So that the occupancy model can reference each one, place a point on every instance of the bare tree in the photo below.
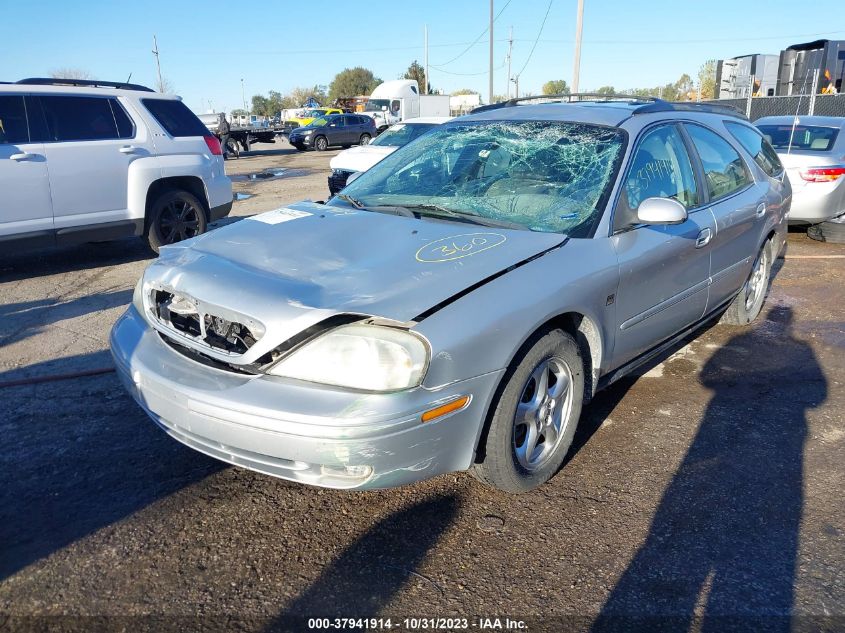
(70, 73)
(164, 86)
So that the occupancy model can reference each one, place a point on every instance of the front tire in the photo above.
(535, 416)
(747, 305)
(173, 217)
(321, 144)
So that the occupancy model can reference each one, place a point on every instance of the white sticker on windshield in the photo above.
(277, 216)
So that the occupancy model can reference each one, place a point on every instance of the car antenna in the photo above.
(797, 110)
(128, 78)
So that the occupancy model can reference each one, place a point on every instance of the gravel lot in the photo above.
(709, 486)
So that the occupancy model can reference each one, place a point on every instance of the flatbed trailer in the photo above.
(246, 136)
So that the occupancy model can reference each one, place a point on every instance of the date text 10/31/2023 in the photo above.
(418, 624)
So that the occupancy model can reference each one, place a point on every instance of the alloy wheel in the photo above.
(543, 413)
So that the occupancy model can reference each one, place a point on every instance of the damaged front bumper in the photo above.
(295, 430)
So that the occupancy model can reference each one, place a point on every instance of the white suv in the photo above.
(85, 161)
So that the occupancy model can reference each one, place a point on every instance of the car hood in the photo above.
(296, 266)
(361, 158)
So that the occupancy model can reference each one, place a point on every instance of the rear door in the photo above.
(89, 148)
(663, 270)
(739, 206)
(25, 205)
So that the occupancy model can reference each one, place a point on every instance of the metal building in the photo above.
(747, 75)
(799, 62)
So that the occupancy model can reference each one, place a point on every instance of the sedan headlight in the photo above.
(307, 132)
(367, 357)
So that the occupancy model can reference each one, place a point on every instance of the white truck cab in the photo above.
(400, 99)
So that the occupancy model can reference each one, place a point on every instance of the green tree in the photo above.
(464, 91)
(606, 90)
(238, 112)
(707, 79)
(298, 96)
(500, 98)
(351, 82)
(417, 72)
(260, 105)
(555, 87)
(70, 73)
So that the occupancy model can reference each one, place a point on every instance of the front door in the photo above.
(663, 270)
(25, 206)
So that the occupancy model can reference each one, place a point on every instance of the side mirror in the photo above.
(661, 211)
(353, 176)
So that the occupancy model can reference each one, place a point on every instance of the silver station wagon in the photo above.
(456, 306)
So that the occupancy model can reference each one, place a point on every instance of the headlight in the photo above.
(367, 357)
(307, 132)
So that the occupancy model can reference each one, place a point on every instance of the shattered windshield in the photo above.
(545, 176)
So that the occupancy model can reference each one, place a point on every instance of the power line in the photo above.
(538, 38)
(483, 72)
(477, 39)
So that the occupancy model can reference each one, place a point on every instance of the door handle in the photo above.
(22, 156)
(703, 239)
(128, 149)
(761, 210)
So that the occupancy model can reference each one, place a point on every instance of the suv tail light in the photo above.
(822, 174)
(213, 144)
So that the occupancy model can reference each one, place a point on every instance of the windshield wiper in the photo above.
(353, 201)
(463, 216)
(382, 208)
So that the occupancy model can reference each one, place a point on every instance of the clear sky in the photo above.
(208, 47)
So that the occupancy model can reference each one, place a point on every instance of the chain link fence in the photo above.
(758, 107)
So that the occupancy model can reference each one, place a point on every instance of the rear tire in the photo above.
(233, 148)
(365, 139)
(535, 415)
(173, 217)
(321, 143)
(833, 232)
(747, 305)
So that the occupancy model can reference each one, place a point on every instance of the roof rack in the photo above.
(565, 98)
(650, 104)
(91, 83)
(689, 106)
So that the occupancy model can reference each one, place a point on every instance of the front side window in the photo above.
(175, 117)
(807, 138)
(724, 170)
(13, 128)
(660, 168)
(754, 143)
(78, 118)
(549, 176)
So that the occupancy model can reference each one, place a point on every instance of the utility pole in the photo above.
(243, 95)
(510, 49)
(579, 24)
(158, 64)
(491, 51)
(425, 78)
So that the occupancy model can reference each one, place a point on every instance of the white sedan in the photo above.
(362, 157)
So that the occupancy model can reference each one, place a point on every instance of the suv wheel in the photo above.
(175, 216)
(535, 416)
(365, 139)
(321, 144)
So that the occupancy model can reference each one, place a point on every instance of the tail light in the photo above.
(822, 174)
(213, 144)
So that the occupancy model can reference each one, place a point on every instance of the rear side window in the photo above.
(759, 148)
(78, 118)
(13, 120)
(175, 117)
(724, 170)
(809, 138)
